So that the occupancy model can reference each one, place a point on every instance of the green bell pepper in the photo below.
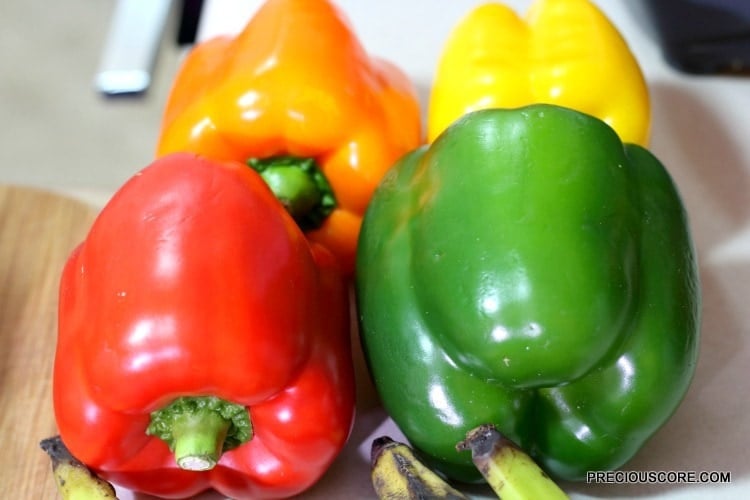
(529, 270)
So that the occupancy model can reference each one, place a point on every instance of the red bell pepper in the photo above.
(196, 311)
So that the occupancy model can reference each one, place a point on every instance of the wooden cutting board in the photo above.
(38, 230)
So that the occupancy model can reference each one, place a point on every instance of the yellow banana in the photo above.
(74, 480)
(510, 472)
(397, 474)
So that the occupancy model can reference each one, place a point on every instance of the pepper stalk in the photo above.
(299, 185)
(198, 429)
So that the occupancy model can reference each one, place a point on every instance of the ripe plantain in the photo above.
(510, 472)
(74, 480)
(397, 474)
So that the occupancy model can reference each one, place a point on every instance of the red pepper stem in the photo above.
(299, 185)
(198, 440)
(199, 428)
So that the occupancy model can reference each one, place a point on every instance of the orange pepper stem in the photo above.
(300, 186)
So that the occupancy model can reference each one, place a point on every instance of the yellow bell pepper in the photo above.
(564, 52)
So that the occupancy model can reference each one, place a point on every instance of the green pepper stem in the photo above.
(199, 439)
(299, 185)
(199, 428)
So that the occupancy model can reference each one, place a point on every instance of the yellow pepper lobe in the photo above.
(564, 52)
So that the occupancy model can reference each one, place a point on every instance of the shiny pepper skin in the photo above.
(531, 271)
(563, 52)
(194, 282)
(297, 82)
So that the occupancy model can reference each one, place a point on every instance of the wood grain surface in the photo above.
(38, 230)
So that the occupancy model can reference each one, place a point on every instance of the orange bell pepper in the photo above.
(296, 88)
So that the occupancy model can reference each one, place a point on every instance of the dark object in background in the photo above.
(189, 18)
(703, 36)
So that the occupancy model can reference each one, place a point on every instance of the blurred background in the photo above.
(59, 132)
